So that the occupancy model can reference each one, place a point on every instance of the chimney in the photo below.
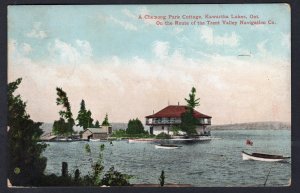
(178, 103)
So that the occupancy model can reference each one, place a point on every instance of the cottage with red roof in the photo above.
(163, 120)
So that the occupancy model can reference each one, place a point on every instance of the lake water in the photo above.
(211, 164)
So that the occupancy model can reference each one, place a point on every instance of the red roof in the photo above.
(175, 111)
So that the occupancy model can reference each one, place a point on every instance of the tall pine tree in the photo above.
(192, 102)
(84, 117)
(105, 121)
(188, 121)
(26, 164)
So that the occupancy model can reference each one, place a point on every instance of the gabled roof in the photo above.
(175, 111)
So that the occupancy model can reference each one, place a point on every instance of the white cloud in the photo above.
(85, 47)
(161, 49)
(18, 51)
(247, 90)
(37, 32)
(125, 24)
(67, 53)
(207, 34)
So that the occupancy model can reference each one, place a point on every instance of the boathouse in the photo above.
(163, 120)
(97, 133)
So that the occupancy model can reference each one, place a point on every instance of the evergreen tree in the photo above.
(89, 119)
(192, 102)
(26, 164)
(64, 126)
(84, 117)
(105, 121)
(97, 124)
(81, 117)
(188, 121)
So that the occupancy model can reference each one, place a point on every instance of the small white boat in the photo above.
(166, 146)
(94, 140)
(263, 157)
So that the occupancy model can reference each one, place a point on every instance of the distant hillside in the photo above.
(118, 126)
(253, 126)
(47, 127)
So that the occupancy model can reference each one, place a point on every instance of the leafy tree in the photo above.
(26, 164)
(135, 126)
(64, 126)
(63, 100)
(192, 102)
(105, 121)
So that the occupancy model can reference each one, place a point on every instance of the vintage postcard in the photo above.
(195, 95)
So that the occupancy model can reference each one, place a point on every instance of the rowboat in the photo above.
(166, 146)
(263, 157)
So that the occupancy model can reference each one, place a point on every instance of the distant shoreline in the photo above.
(268, 125)
(253, 126)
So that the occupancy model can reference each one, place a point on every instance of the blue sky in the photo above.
(94, 50)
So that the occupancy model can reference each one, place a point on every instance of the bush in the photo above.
(175, 129)
(163, 135)
(115, 178)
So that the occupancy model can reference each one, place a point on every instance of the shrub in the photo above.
(163, 135)
(115, 178)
